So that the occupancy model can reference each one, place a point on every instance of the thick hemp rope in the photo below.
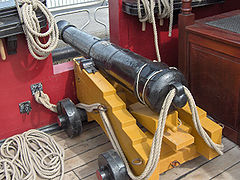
(165, 10)
(44, 99)
(32, 29)
(157, 140)
(24, 156)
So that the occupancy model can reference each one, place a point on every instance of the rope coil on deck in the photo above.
(158, 136)
(24, 156)
(32, 29)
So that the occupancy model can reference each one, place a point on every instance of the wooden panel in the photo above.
(212, 63)
(215, 45)
(215, 83)
(216, 34)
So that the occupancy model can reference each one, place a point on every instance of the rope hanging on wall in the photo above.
(32, 29)
(165, 10)
(24, 156)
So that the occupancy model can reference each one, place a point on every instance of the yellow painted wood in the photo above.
(177, 140)
(94, 88)
(185, 127)
(149, 119)
(194, 164)
(168, 155)
(213, 130)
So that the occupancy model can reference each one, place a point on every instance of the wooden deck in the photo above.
(81, 158)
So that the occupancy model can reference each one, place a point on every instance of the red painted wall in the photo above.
(17, 74)
(125, 30)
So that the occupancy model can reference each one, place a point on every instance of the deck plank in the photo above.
(232, 173)
(68, 176)
(81, 158)
(85, 146)
(86, 135)
(84, 158)
(91, 177)
(60, 135)
(84, 171)
(216, 166)
(193, 164)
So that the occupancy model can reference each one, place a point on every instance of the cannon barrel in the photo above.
(128, 68)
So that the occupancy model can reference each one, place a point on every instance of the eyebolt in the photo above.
(137, 161)
(102, 108)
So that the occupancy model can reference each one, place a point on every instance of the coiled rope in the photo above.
(24, 156)
(158, 136)
(32, 28)
(163, 12)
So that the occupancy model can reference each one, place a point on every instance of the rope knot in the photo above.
(34, 3)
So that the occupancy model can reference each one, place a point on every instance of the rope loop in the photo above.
(32, 29)
(25, 155)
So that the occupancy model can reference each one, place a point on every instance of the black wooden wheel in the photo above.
(70, 118)
(111, 167)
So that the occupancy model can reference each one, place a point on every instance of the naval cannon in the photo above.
(133, 126)
(128, 68)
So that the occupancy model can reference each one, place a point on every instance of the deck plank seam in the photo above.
(189, 172)
(81, 166)
(65, 172)
(87, 150)
(88, 161)
(76, 175)
(88, 175)
(93, 124)
(225, 170)
(76, 144)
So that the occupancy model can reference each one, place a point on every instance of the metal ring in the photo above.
(180, 122)
(137, 161)
(173, 68)
(102, 108)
